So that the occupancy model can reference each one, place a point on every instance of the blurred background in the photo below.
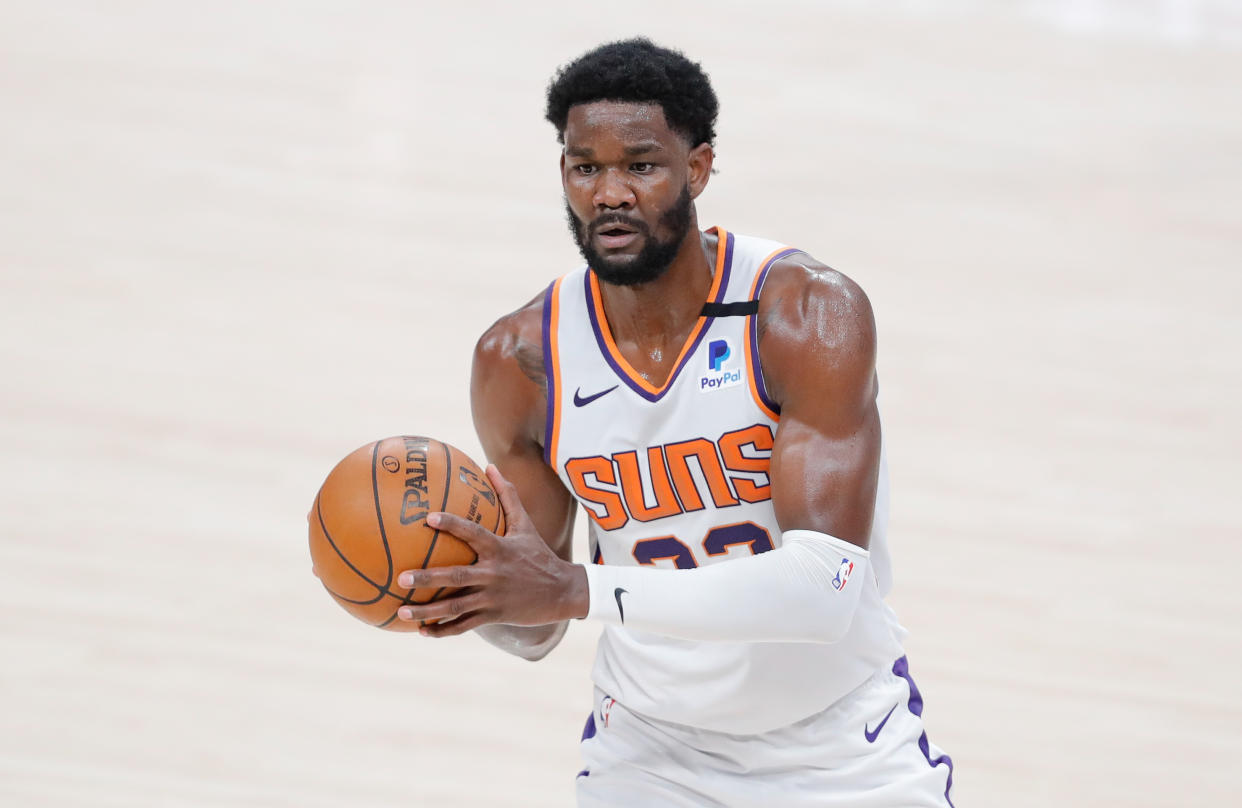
(239, 240)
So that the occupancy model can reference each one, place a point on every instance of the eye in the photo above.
(641, 168)
(584, 169)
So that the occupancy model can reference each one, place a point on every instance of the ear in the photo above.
(562, 168)
(700, 162)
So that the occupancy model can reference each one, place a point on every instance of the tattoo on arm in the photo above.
(530, 359)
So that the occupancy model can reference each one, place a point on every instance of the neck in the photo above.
(661, 312)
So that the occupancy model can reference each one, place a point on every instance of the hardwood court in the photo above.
(238, 240)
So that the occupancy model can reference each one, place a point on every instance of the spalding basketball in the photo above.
(369, 523)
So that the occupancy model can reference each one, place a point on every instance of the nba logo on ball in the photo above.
(718, 353)
(843, 574)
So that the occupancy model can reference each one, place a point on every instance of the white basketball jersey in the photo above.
(677, 476)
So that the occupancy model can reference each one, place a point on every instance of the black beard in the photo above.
(652, 261)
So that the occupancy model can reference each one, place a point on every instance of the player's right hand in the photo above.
(516, 579)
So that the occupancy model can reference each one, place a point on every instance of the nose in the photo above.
(612, 192)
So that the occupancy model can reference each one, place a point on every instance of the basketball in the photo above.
(369, 523)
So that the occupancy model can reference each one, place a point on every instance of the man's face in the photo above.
(629, 184)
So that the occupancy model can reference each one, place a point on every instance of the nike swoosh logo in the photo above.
(871, 736)
(617, 593)
(579, 401)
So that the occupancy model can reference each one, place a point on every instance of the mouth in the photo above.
(616, 235)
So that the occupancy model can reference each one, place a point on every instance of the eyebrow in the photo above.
(630, 151)
(643, 148)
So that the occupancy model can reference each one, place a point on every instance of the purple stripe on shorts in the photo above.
(588, 731)
(902, 668)
(549, 373)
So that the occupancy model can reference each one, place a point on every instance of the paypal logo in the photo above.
(719, 376)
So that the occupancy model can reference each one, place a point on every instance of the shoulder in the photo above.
(801, 292)
(814, 322)
(515, 343)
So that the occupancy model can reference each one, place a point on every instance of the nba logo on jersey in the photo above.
(605, 709)
(719, 351)
(843, 574)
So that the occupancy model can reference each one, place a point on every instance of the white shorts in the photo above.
(868, 750)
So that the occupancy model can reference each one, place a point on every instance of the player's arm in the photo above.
(818, 351)
(508, 397)
(817, 348)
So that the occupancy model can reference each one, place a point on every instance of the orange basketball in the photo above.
(369, 523)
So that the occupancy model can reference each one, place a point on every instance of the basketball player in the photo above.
(709, 399)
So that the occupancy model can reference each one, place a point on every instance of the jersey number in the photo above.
(717, 542)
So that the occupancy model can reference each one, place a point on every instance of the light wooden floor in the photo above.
(239, 239)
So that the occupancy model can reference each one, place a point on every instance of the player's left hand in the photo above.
(517, 579)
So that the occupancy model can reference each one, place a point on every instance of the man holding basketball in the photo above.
(710, 400)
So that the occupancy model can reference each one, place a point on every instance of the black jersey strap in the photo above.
(743, 308)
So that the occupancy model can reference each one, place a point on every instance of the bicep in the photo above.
(826, 455)
(508, 407)
(825, 472)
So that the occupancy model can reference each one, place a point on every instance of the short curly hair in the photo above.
(641, 71)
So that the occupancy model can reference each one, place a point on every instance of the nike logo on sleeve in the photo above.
(617, 593)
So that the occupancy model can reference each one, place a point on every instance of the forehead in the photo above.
(599, 123)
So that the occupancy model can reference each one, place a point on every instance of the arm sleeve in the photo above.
(807, 590)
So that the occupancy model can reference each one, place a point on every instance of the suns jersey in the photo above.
(677, 476)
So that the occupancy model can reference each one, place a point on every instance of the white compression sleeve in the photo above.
(806, 590)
